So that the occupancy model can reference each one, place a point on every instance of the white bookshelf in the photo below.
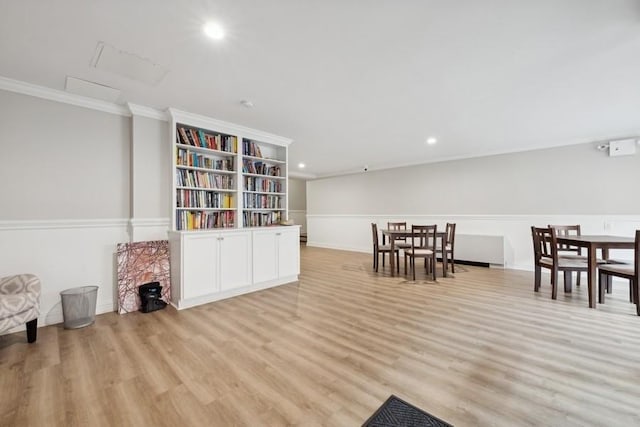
(243, 192)
(249, 189)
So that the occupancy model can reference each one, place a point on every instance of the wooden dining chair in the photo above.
(400, 242)
(630, 272)
(422, 246)
(568, 251)
(545, 249)
(381, 249)
(449, 245)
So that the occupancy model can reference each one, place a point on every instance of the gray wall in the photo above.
(297, 194)
(574, 179)
(59, 161)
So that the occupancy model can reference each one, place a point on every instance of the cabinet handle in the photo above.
(278, 234)
(222, 238)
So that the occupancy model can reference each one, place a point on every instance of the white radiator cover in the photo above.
(480, 248)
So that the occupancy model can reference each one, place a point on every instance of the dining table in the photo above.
(394, 235)
(592, 243)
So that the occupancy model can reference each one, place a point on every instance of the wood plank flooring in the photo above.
(477, 349)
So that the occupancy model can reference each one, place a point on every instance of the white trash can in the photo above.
(79, 306)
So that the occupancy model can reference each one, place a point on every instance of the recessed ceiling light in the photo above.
(214, 30)
(246, 103)
(431, 140)
(301, 165)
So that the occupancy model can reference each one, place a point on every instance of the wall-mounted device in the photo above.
(620, 147)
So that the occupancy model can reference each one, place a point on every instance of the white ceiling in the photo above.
(358, 82)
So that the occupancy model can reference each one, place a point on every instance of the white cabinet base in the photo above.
(211, 265)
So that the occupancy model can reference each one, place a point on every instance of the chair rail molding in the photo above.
(44, 224)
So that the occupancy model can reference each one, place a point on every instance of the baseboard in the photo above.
(55, 317)
(473, 263)
(338, 248)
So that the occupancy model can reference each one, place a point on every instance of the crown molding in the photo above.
(25, 88)
(226, 127)
(301, 175)
(152, 113)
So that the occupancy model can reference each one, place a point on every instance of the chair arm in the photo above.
(20, 283)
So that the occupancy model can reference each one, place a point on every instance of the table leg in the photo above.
(591, 276)
(392, 255)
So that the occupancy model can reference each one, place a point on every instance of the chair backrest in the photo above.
(374, 231)
(451, 234)
(397, 225)
(543, 243)
(567, 230)
(424, 236)
(637, 258)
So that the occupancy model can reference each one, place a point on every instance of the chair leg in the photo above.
(405, 264)
(635, 295)
(453, 263)
(538, 274)
(383, 258)
(578, 274)
(398, 262)
(375, 267)
(567, 281)
(554, 283)
(32, 330)
(609, 283)
(413, 267)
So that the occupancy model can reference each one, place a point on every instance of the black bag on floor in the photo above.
(151, 297)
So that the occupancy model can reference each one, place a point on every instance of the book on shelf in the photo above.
(252, 183)
(261, 201)
(202, 220)
(204, 139)
(203, 199)
(260, 168)
(251, 148)
(261, 219)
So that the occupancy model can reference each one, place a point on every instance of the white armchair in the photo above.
(20, 303)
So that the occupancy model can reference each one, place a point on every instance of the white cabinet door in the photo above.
(235, 260)
(288, 252)
(265, 256)
(200, 254)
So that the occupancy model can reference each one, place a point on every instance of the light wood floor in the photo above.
(479, 349)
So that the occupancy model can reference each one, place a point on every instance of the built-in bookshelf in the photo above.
(264, 169)
(225, 175)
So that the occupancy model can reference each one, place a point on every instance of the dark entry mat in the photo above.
(395, 412)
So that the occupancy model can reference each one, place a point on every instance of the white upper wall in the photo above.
(60, 161)
(575, 179)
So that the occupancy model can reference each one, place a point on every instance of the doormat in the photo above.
(395, 412)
